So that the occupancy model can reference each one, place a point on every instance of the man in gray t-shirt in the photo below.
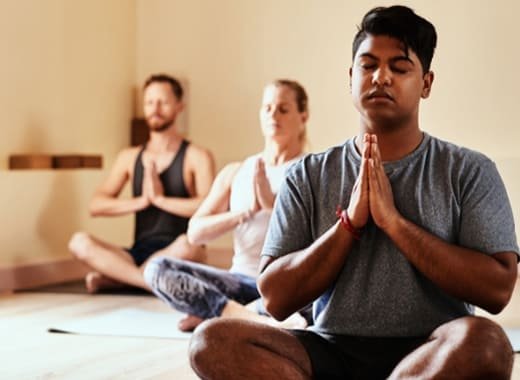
(379, 291)
(423, 232)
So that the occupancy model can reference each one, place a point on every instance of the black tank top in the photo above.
(152, 222)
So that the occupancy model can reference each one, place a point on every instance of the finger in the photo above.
(261, 170)
(261, 164)
(374, 184)
(257, 166)
(375, 152)
(363, 176)
(366, 146)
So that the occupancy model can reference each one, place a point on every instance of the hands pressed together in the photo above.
(263, 197)
(372, 193)
(153, 189)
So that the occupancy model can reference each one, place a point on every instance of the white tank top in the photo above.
(248, 237)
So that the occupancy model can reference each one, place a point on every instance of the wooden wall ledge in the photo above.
(55, 161)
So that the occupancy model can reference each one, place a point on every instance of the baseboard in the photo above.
(40, 274)
(55, 272)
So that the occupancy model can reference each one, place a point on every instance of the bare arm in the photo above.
(303, 275)
(202, 168)
(213, 217)
(475, 277)
(105, 201)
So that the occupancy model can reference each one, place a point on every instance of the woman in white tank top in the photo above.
(241, 199)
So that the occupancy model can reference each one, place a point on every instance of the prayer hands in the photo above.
(372, 193)
(264, 197)
(153, 189)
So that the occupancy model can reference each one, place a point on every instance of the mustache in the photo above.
(155, 115)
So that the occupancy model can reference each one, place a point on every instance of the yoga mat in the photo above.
(514, 338)
(127, 322)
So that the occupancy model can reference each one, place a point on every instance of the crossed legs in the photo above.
(465, 348)
(232, 349)
(204, 292)
(114, 267)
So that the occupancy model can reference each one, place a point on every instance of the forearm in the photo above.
(304, 275)
(184, 207)
(466, 274)
(203, 229)
(109, 206)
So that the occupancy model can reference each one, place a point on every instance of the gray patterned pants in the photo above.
(198, 289)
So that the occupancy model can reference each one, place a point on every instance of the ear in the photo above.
(350, 79)
(180, 107)
(304, 116)
(427, 84)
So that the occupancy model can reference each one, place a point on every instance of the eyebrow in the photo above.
(394, 59)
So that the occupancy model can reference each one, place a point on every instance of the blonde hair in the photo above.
(302, 100)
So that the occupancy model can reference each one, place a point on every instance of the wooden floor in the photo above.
(28, 351)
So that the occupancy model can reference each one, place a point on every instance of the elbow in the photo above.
(193, 238)
(273, 304)
(275, 310)
(495, 308)
(499, 301)
(502, 302)
(93, 210)
(194, 235)
(504, 285)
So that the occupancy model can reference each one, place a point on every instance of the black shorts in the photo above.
(353, 357)
(142, 250)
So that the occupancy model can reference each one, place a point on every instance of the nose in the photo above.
(382, 77)
(273, 113)
(156, 107)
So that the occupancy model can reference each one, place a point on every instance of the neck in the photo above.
(278, 153)
(394, 142)
(166, 140)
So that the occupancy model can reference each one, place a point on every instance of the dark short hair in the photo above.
(403, 24)
(302, 100)
(163, 78)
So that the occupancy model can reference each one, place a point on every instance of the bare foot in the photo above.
(189, 322)
(95, 281)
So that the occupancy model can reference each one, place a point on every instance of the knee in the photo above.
(152, 271)
(80, 244)
(191, 252)
(484, 343)
(211, 343)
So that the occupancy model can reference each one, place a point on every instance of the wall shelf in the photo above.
(54, 161)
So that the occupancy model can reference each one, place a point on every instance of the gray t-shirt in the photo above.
(452, 192)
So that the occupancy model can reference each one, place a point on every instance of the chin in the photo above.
(160, 127)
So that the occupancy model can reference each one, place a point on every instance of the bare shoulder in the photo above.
(129, 153)
(126, 158)
(228, 172)
(195, 153)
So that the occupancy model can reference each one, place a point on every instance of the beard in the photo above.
(166, 124)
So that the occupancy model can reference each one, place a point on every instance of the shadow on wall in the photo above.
(34, 141)
(61, 214)
(508, 168)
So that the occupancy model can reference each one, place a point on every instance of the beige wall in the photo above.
(67, 73)
(228, 49)
(70, 68)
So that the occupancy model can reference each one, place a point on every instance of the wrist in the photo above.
(158, 200)
(142, 202)
(392, 224)
(244, 216)
(346, 223)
